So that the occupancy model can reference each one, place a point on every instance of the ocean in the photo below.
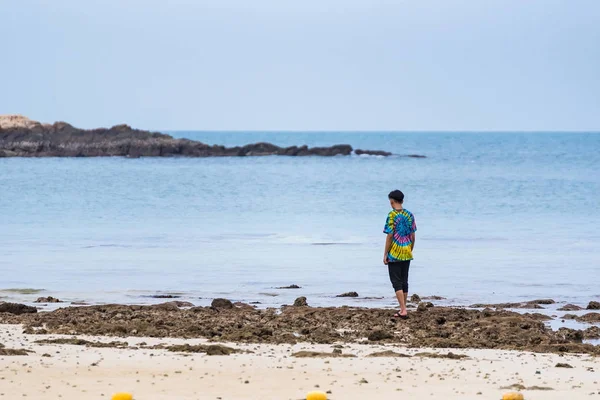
(501, 217)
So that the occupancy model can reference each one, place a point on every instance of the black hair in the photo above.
(396, 195)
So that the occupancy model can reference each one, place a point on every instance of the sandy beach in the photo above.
(148, 369)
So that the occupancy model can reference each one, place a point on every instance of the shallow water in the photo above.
(501, 217)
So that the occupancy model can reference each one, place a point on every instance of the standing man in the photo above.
(400, 229)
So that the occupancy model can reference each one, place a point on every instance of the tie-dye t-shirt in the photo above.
(402, 224)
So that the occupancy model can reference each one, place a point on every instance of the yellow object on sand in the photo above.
(513, 396)
(316, 396)
(122, 396)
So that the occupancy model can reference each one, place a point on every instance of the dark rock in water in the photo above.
(348, 294)
(378, 335)
(165, 296)
(22, 137)
(571, 334)
(593, 332)
(541, 301)
(539, 317)
(300, 302)
(563, 365)
(570, 307)
(360, 152)
(415, 298)
(422, 307)
(48, 299)
(17, 309)
(525, 305)
(594, 305)
(289, 287)
(221, 304)
(416, 156)
(434, 298)
(589, 318)
(569, 316)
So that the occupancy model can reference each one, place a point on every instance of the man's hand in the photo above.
(385, 260)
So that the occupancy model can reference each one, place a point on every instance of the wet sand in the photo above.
(270, 371)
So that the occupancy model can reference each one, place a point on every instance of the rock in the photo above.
(300, 302)
(593, 332)
(434, 298)
(48, 299)
(211, 350)
(593, 305)
(388, 353)
(570, 307)
(239, 304)
(571, 334)
(450, 355)
(22, 137)
(348, 294)
(378, 335)
(221, 304)
(526, 305)
(541, 301)
(13, 352)
(463, 328)
(17, 309)
(415, 298)
(360, 152)
(589, 318)
(289, 287)
(165, 296)
(317, 354)
(563, 365)
(569, 316)
(422, 307)
(170, 306)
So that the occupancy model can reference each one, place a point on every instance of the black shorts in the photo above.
(399, 275)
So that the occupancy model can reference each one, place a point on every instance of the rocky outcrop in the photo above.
(22, 137)
(17, 309)
(437, 327)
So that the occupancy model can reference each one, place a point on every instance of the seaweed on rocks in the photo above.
(438, 327)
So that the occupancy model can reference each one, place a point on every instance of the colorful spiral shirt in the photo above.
(402, 224)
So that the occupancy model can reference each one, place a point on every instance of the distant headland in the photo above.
(23, 137)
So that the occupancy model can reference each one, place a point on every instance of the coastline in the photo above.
(22, 137)
(272, 371)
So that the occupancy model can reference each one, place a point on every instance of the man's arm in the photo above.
(388, 246)
(413, 239)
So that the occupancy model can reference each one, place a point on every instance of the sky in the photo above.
(399, 65)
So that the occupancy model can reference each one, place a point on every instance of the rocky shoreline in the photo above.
(22, 137)
(428, 326)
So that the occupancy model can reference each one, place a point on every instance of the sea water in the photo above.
(500, 216)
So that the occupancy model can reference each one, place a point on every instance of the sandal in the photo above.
(397, 315)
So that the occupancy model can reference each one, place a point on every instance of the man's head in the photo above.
(396, 198)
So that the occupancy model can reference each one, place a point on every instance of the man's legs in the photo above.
(399, 277)
(401, 296)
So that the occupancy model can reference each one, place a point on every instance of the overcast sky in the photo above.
(304, 64)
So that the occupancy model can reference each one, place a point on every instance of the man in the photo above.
(400, 228)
